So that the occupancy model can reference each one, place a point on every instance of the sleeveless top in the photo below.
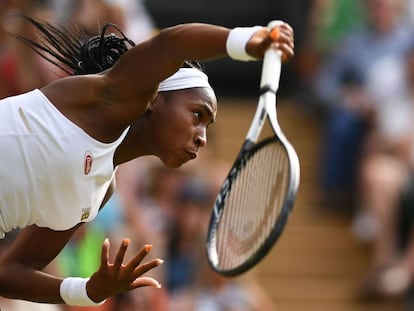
(52, 173)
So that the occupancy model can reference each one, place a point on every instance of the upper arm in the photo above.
(36, 247)
(140, 69)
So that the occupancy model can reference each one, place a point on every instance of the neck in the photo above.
(135, 143)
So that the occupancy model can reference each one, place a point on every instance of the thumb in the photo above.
(145, 281)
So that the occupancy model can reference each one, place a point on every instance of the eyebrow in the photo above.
(209, 111)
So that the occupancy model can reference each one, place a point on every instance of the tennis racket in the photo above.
(257, 196)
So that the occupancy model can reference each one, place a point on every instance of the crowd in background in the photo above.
(354, 70)
(362, 79)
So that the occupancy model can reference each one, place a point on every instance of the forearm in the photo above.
(194, 42)
(22, 263)
(136, 76)
(21, 282)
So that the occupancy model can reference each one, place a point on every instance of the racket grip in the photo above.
(272, 63)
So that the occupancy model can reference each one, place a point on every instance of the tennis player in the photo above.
(61, 144)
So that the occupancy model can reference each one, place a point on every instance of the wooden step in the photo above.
(317, 263)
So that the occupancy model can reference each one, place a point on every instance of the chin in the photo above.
(174, 164)
(175, 160)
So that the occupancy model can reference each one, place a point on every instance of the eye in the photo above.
(198, 115)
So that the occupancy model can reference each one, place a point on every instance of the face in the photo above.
(181, 119)
(383, 13)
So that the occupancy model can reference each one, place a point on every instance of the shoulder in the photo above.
(76, 91)
(87, 101)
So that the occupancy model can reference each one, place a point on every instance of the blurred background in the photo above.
(346, 103)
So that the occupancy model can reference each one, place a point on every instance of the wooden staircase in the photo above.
(317, 263)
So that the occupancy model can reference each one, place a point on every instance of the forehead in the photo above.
(201, 95)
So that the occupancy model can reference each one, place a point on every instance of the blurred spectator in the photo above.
(367, 85)
(386, 180)
(20, 68)
(151, 212)
(186, 241)
(329, 21)
(90, 15)
(341, 85)
(139, 24)
(192, 284)
(409, 12)
(214, 292)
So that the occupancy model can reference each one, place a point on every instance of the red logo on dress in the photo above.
(88, 162)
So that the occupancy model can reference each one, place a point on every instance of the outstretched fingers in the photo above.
(119, 259)
(105, 253)
(141, 269)
(136, 269)
(139, 281)
(136, 261)
(118, 277)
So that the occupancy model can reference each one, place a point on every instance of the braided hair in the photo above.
(74, 56)
(62, 48)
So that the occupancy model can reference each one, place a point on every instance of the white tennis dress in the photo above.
(52, 173)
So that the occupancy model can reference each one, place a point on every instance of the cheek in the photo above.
(175, 134)
(179, 129)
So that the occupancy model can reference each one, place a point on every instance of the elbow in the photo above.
(173, 42)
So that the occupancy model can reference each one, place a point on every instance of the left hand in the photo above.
(112, 278)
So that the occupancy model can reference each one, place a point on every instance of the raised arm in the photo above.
(150, 62)
(107, 102)
(139, 71)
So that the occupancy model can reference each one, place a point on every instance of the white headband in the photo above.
(184, 78)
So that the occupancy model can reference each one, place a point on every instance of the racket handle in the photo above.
(272, 63)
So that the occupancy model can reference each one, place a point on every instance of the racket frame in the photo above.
(266, 109)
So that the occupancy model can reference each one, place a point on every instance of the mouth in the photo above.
(192, 154)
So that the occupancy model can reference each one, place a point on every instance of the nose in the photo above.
(201, 138)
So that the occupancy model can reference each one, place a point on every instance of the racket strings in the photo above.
(253, 205)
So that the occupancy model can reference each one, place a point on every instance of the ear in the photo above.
(155, 102)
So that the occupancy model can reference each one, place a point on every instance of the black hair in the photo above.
(192, 64)
(75, 56)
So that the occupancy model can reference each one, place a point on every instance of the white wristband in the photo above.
(73, 292)
(237, 40)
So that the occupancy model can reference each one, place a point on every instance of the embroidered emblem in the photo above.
(88, 162)
(85, 213)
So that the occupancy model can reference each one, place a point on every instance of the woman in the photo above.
(63, 142)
